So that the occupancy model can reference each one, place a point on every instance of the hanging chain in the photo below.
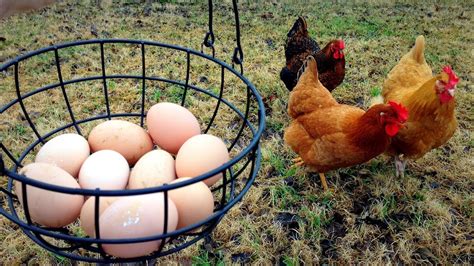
(238, 56)
(209, 38)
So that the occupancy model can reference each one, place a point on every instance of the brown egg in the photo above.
(133, 217)
(87, 213)
(170, 125)
(201, 154)
(48, 208)
(124, 137)
(67, 151)
(153, 169)
(194, 202)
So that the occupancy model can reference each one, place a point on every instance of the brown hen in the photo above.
(331, 62)
(328, 135)
(430, 100)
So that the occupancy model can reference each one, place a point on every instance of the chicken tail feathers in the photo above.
(418, 51)
(299, 26)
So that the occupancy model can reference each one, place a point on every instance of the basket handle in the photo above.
(209, 38)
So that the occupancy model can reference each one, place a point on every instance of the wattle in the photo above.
(445, 97)
(338, 55)
(392, 129)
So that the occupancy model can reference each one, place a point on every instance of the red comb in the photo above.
(453, 79)
(340, 44)
(402, 111)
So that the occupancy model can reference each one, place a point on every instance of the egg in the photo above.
(133, 217)
(49, 208)
(124, 137)
(88, 211)
(153, 169)
(67, 151)
(170, 125)
(201, 154)
(105, 169)
(194, 202)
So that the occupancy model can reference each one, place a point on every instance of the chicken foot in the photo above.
(298, 162)
(400, 164)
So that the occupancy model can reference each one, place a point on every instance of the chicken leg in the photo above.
(400, 164)
(299, 162)
(323, 181)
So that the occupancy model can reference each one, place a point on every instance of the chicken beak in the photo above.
(402, 124)
(451, 92)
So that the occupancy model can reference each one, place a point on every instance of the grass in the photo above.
(370, 217)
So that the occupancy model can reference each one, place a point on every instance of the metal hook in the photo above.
(211, 46)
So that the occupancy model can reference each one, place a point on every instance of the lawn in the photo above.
(369, 217)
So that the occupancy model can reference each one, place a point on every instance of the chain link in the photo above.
(238, 56)
(209, 37)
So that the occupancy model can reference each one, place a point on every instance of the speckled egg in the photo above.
(124, 137)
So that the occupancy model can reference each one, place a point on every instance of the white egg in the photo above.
(105, 169)
(67, 151)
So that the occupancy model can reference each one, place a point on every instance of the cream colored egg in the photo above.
(153, 169)
(170, 125)
(67, 151)
(105, 169)
(49, 208)
(124, 137)
(201, 154)
(88, 211)
(194, 202)
(134, 217)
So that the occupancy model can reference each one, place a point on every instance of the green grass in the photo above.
(290, 261)
(430, 211)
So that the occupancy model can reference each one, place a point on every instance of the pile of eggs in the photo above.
(121, 155)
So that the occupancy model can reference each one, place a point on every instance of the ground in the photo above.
(370, 216)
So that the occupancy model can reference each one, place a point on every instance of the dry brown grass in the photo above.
(371, 217)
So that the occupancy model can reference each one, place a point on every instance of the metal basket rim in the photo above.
(94, 192)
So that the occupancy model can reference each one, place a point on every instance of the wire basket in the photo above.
(242, 120)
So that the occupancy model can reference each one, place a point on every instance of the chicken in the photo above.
(430, 100)
(331, 62)
(328, 135)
